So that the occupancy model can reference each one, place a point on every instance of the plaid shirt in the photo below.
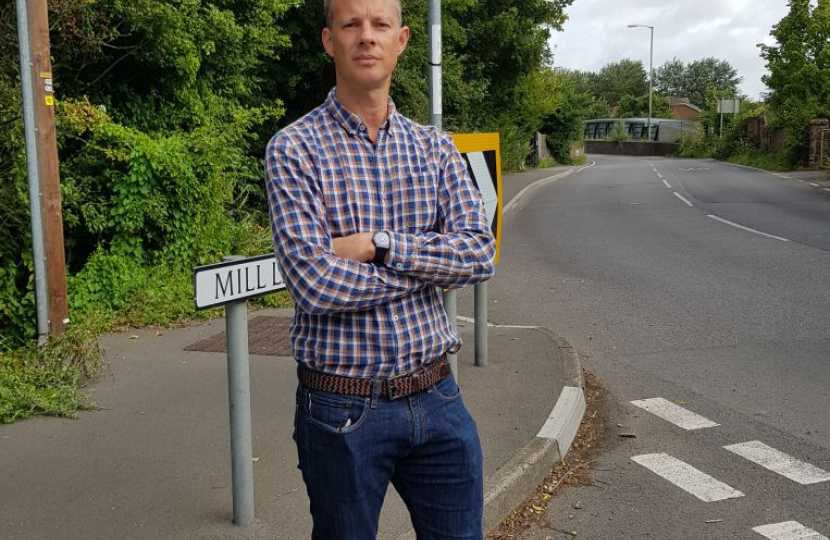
(326, 179)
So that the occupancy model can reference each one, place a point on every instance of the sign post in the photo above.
(483, 159)
(239, 401)
(231, 283)
(727, 106)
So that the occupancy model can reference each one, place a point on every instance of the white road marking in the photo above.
(686, 477)
(658, 174)
(788, 530)
(538, 183)
(675, 414)
(666, 183)
(800, 180)
(779, 462)
(679, 196)
(826, 189)
(491, 325)
(747, 228)
(814, 184)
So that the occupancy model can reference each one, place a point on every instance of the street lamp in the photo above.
(650, 71)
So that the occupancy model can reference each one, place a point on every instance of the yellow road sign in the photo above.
(481, 153)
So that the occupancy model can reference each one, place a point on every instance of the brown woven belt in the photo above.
(392, 388)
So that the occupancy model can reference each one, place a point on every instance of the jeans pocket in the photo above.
(335, 413)
(447, 389)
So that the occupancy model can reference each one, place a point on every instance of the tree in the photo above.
(637, 107)
(620, 78)
(695, 79)
(710, 73)
(799, 71)
(577, 103)
(670, 78)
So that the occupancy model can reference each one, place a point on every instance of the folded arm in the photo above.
(317, 269)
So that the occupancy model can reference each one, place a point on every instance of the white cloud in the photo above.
(707, 26)
(596, 33)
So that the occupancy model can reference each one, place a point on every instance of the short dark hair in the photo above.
(327, 11)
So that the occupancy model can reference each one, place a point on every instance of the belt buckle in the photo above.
(392, 388)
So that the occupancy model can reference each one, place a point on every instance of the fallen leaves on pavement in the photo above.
(573, 471)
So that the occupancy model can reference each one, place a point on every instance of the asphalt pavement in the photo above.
(693, 290)
(152, 460)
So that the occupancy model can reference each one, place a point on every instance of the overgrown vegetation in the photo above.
(45, 380)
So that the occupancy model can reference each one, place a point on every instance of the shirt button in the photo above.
(399, 265)
(362, 128)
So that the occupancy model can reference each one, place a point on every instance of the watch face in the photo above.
(381, 240)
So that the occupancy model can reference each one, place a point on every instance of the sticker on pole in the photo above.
(231, 281)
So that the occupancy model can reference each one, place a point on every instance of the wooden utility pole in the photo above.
(47, 165)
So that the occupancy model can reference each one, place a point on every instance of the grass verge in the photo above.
(767, 162)
(47, 380)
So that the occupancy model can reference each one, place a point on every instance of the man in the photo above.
(372, 215)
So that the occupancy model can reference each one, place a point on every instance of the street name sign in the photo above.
(230, 281)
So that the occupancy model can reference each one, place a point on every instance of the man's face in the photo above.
(365, 40)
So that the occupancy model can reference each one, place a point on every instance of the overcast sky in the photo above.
(596, 34)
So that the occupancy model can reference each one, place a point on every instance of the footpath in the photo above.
(153, 460)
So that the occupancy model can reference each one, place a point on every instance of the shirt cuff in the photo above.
(401, 252)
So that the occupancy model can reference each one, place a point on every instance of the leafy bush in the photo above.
(697, 146)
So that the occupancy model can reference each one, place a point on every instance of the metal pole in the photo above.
(239, 400)
(33, 173)
(435, 88)
(650, 77)
(436, 119)
(481, 324)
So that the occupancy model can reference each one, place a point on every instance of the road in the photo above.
(696, 288)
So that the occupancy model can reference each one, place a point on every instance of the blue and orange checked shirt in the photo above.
(326, 179)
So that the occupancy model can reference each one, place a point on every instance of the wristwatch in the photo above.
(382, 242)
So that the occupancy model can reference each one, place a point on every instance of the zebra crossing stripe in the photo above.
(675, 414)
(687, 478)
(788, 530)
(779, 462)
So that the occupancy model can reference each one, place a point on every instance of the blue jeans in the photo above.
(426, 444)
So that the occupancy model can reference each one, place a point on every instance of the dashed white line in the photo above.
(675, 414)
(800, 180)
(826, 189)
(788, 530)
(814, 184)
(749, 229)
(687, 478)
(666, 183)
(679, 196)
(658, 174)
(779, 462)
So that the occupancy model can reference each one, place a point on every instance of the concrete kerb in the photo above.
(511, 484)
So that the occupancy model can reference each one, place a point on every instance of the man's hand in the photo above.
(356, 247)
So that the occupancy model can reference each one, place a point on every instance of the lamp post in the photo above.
(650, 71)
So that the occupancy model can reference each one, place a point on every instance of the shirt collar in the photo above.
(352, 122)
